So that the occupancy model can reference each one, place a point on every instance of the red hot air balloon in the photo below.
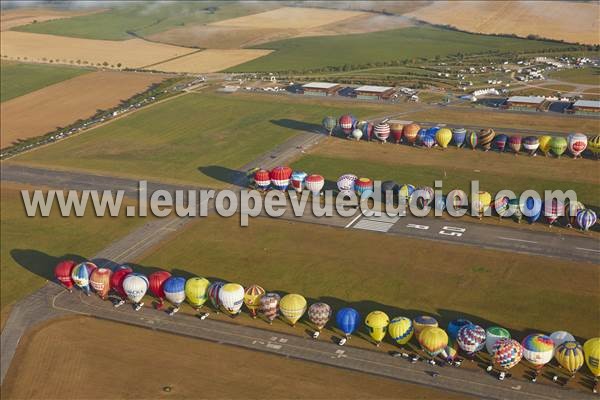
(155, 284)
(62, 272)
(280, 177)
(396, 128)
(315, 184)
(116, 281)
(346, 123)
(262, 179)
(514, 142)
(100, 281)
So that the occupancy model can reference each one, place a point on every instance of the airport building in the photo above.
(585, 107)
(524, 103)
(320, 88)
(374, 92)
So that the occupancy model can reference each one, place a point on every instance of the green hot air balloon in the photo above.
(329, 124)
(558, 145)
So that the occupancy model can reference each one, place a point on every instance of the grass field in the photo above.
(30, 247)
(56, 361)
(408, 43)
(18, 79)
(588, 75)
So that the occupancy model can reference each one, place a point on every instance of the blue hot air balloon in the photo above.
(533, 207)
(440, 203)
(500, 142)
(586, 218)
(420, 135)
(455, 325)
(432, 131)
(174, 289)
(347, 319)
(458, 136)
(428, 141)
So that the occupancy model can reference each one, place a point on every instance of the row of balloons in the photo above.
(538, 349)
(575, 143)
(282, 177)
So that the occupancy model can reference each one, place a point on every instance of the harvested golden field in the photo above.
(132, 53)
(561, 20)
(210, 60)
(44, 110)
(57, 361)
(23, 16)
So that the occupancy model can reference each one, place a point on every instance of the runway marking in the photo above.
(353, 220)
(516, 240)
(371, 225)
(583, 248)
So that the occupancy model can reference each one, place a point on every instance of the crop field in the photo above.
(12, 18)
(63, 103)
(588, 76)
(55, 361)
(18, 79)
(211, 60)
(30, 247)
(575, 22)
(359, 49)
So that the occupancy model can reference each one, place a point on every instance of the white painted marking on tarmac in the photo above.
(373, 225)
(274, 346)
(583, 248)
(353, 220)
(415, 226)
(516, 240)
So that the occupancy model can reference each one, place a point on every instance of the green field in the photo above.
(359, 49)
(196, 138)
(588, 75)
(17, 79)
(141, 19)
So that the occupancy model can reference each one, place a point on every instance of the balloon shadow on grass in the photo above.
(40, 263)
(224, 174)
(298, 125)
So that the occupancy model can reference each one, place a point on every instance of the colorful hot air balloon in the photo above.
(421, 136)
(252, 297)
(156, 281)
(538, 349)
(329, 124)
(196, 291)
(485, 138)
(458, 136)
(396, 128)
(500, 142)
(586, 219)
(455, 198)
(319, 314)
(174, 289)
(347, 319)
(62, 272)
(135, 286)
(231, 297)
(81, 275)
(531, 144)
(213, 294)
(292, 307)
(315, 184)
(382, 131)
(571, 211)
(269, 306)
(481, 203)
(377, 323)
(298, 180)
(553, 210)
(591, 351)
(116, 280)
(433, 340)
(502, 206)
(410, 133)
(558, 145)
(455, 325)
(440, 203)
(367, 129)
(262, 179)
(594, 145)
(346, 122)
(472, 139)
(506, 353)
(471, 338)
(559, 337)
(100, 281)
(357, 134)
(577, 143)
(514, 143)
(346, 182)
(544, 142)
(405, 192)
(533, 207)
(423, 321)
(450, 352)
(570, 356)
(280, 177)
(428, 141)
(421, 197)
(363, 187)
(492, 335)
(443, 137)
(401, 330)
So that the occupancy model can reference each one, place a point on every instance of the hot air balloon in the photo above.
(492, 335)
(252, 297)
(346, 122)
(506, 353)
(531, 144)
(298, 180)
(396, 128)
(116, 282)
(570, 356)
(450, 352)
(269, 306)
(422, 197)
(471, 338)
(433, 131)
(319, 314)
(405, 192)
(553, 210)
(377, 323)
(433, 340)
(382, 131)
(346, 182)
(389, 190)
(594, 145)
(458, 136)
(62, 273)
(347, 319)
(577, 143)
(502, 206)
(455, 325)
(533, 206)
(213, 294)
(421, 135)
(174, 289)
(514, 143)
(423, 321)
(363, 187)
(410, 132)
(591, 352)
(440, 203)
(196, 291)
(500, 142)
(100, 281)
(558, 145)
(401, 330)
(231, 297)
(135, 286)
(559, 337)
(262, 179)
(292, 307)
(329, 124)
(571, 211)
(315, 184)
(455, 197)
(367, 129)
(428, 141)
(81, 275)
(472, 139)
(586, 219)
(481, 203)
(515, 205)
(485, 138)
(280, 177)
(544, 141)
(443, 137)
(357, 134)
(156, 281)
(538, 349)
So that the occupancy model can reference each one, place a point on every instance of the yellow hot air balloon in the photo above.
(433, 340)
(481, 203)
(570, 356)
(377, 323)
(545, 143)
(591, 351)
(443, 137)
(252, 297)
(594, 145)
(401, 330)
(292, 307)
(196, 291)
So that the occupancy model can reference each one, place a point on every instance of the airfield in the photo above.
(525, 277)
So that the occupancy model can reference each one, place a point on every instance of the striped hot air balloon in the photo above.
(297, 180)
(409, 132)
(486, 137)
(213, 294)
(367, 129)
(571, 211)
(319, 314)
(586, 219)
(423, 321)
(262, 179)
(577, 143)
(538, 349)
(506, 353)
(471, 338)
(553, 210)
(472, 139)
(514, 143)
(81, 275)
(100, 281)
(363, 187)
(252, 298)
(292, 307)
(458, 136)
(346, 122)
(62, 273)
(396, 128)
(594, 145)
(357, 134)
(502, 206)
(443, 137)
(401, 330)
(531, 144)
(329, 124)
(280, 177)
(570, 356)
(269, 306)
(558, 145)
(544, 141)
(500, 142)
(382, 131)
(315, 184)
(433, 340)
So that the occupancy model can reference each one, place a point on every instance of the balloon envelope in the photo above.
(538, 349)
(591, 351)
(443, 137)
(292, 307)
(252, 296)
(455, 325)
(319, 314)
(586, 219)
(116, 280)
(174, 289)
(135, 286)
(347, 319)
(433, 340)
(81, 274)
(506, 353)
(377, 323)
(544, 143)
(570, 356)
(213, 293)
(558, 145)
(401, 330)
(492, 335)
(471, 338)
(577, 143)
(269, 305)
(458, 136)
(423, 321)
(410, 132)
(196, 291)
(62, 272)
(156, 282)
(100, 281)
(231, 297)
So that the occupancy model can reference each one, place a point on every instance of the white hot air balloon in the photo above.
(559, 337)
(135, 287)
(231, 297)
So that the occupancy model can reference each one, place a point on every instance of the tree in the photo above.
(104, 63)
(119, 65)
